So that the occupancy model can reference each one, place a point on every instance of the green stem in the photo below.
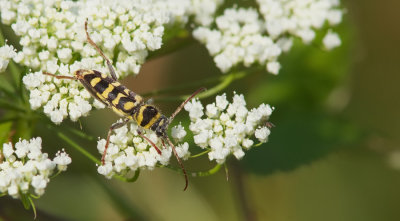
(226, 172)
(225, 82)
(243, 198)
(33, 206)
(34, 196)
(81, 134)
(16, 74)
(58, 172)
(184, 86)
(79, 148)
(2, 41)
(258, 144)
(195, 174)
(221, 86)
(200, 154)
(129, 180)
(208, 172)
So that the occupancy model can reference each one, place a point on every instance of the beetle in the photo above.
(126, 103)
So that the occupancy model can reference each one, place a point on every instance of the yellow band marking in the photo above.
(152, 121)
(116, 100)
(95, 81)
(128, 105)
(107, 90)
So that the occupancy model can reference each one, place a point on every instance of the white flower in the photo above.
(26, 166)
(262, 134)
(221, 102)
(238, 39)
(106, 170)
(62, 160)
(178, 132)
(39, 183)
(7, 52)
(127, 151)
(7, 150)
(331, 40)
(183, 151)
(195, 109)
(273, 67)
(229, 131)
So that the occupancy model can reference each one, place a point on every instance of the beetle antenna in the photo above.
(179, 161)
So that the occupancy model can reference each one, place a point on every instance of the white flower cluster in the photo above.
(127, 151)
(25, 167)
(59, 98)
(238, 39)
(299, 17)
(241, 37)
(132, 27)
(227, 128)
(204, 10)
(56, 43)
(7, 52)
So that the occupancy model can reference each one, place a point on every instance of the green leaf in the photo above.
(6, 87)
(5, 129)
(301, 138)
(5, 104)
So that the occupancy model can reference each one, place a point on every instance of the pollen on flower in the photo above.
(24, 166)
(231, 130)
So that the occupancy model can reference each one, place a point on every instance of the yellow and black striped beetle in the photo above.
(126, 103)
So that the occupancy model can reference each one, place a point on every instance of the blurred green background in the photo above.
(327, 159)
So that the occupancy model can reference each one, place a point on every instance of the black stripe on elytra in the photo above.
(92, 91)
(101, 86)
(122, 102)
(148, 113)
(89, 77)
(113, 94)
(121, 88)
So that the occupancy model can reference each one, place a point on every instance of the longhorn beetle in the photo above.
(126, 103)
